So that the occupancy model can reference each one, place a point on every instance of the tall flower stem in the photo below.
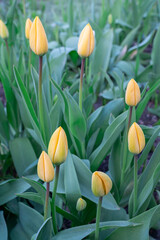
(40, 99)
(81, 83)
(29, 68)
(98, 214)
(135, 184)
(53, 204)
(46, 202)
(125, 146)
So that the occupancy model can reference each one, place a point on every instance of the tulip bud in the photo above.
(110, 19)
(81, 204)
(86, 41)
(3, 30)
(136, 139)
(28, 27)
(45, 168)
(101, 184)
(133, 95)
(58, 146)
(37, 38)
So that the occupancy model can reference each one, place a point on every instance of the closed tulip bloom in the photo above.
(86, 41)
(3, 30)
(37, 38)
(133, 95)
(45, 169)
(101, 184)
(136, 139)
(58, 146)
(28, 27)
(81, 204)
(110, 19)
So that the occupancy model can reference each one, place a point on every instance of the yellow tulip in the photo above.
(86, 41)
(37, 38)
(101, 184)
(136, 139)
(110, 19)
(28, 27)
(3, 30)
(133, 95)
(58, 146)
(81, 204)
(45, 168)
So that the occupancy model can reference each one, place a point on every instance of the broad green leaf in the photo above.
(4, 125)
(110, 136)
(3, 227)
(31, 196)
(156, 53)
(72, 188)
(130, 37)
(22, 154)
(9, 188)
(45, 230)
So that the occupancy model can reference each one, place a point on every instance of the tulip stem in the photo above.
(46, 202)
(40, 98)
(125, 145)
(29, 68)
(135, 184)
(53, 204)
(81, 83)
(98, 218)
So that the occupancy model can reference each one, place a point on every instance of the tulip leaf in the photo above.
(72, 188)
(45, 230)
(22, 154)
(145, 220)
(31, 196)
(156, 53)
(3, 227)
(110, 136)
(9, 188)
(76, 233)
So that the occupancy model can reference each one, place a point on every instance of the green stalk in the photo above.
(135, 184)
(9, 61)
(53, 204)
(46, 202)
(40, 99)
(29, 68)
(98, 218)
(81, 83)
(125, 147)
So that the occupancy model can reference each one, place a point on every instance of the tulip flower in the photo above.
(110, 19)
(86, 41)
(45, 172)
(45, 168)
(3, 30)
(133, 95)
(37, 38)
(81, 204)
(57, 150)
(101, 186)
(136, 139)
(85, 48)
(136, 143)
(28, 27)
(58, 146)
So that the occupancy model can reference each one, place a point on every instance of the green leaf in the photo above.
(110, 136)
(9, 188)
(45, 230)
(77, 233)
(22, 154)
(3, 227)
(31, 196)
(72, 188)
(30, 219)
(130, 37)
(156, 53)
(102, 52)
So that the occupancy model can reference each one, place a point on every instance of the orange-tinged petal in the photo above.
(58, 146)
(136, 139)
(37, 38)
(28, 27)
(45, 169)
(101, 184)
(86, 41)
(3, 30)
(133, 95)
